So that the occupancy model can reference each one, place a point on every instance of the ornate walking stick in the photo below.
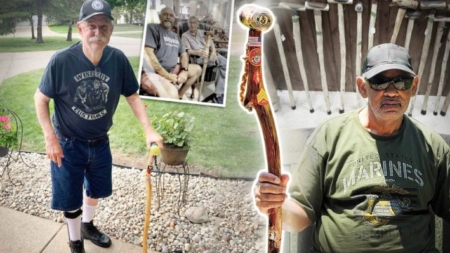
(152, 162)
(253, 96)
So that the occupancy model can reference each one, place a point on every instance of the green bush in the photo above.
(175, 128)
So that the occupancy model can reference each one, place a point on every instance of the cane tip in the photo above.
(294, 107)
(443, 113)
(435, 113)
(329, 112)
(423, 112)
(341, 111)
(311, 111)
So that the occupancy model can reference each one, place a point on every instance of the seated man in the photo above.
(162, 49)
(195, 43)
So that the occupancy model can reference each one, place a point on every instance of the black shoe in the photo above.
(76, 246)
(90, 232)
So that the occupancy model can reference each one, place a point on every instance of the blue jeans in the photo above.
(84, 162)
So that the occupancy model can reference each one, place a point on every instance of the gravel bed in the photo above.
(233, 224)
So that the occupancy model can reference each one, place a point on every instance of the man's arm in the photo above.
(138, 108)
(154, 62)
(52, 147)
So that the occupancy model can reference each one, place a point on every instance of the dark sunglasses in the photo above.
(382, 83)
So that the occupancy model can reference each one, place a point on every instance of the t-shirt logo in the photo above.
(91, 95)
(97, 5)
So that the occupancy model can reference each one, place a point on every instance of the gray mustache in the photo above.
(95, 38)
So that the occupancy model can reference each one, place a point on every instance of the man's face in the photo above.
(390, 104)
(167, 18)
(193, 25)
(95, 32)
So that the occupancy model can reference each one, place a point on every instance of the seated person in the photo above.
(162, 49)
(194, 41)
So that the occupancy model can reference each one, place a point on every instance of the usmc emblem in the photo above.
(97, 5)
(255, 57)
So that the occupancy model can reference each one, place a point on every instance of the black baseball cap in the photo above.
(92, 8)
(384, 57)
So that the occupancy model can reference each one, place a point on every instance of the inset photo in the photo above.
(185, 51)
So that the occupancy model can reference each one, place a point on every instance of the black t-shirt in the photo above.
(86, 96)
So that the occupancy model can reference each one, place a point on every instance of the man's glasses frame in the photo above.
(380, 83)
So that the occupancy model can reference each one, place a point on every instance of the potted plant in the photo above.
(8, 131)
(175, 128)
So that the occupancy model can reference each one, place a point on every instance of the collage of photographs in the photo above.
(234, 126)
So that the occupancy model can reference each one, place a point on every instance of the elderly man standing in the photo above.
(85, 82)
(162, 49)
(371, 180)
(195, 43)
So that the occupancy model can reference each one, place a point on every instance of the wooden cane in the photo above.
(284, 65)
(424, 56)
(373, 18)
(446, 104)
(342, 47)
(411, 16)
(294, 7)
(300, 61)
(359, 10)
(154, 151)
(318, 8)
(442, 78)
(253, 96)
(205, 64)
(437, 45)
(403, 6)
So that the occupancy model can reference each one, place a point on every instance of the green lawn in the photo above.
(122, 30)
(226, 140)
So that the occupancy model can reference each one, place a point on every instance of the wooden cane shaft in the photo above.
(299, 54)
(256, 98)
(205, 65)
(277, 32)
(409, 32)
(437, 45)
(358, 51)
(398, 22)
(423, 58)
(373, 18)
(323, 76)
(446, 104)
(148, 204)
(343, 53)
(443, 70)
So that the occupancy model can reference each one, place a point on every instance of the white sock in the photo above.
(74, 227)
(88, 212)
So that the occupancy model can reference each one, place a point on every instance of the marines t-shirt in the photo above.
(371, 193)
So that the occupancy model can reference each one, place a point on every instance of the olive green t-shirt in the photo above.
(369, 193)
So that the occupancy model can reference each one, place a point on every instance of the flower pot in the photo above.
(173, 155)
(4, 151)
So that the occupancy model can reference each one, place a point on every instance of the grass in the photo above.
(25, 44)
(130, 31)
(117, 28)
(226, 140)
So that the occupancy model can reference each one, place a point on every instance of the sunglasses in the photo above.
(382, 83)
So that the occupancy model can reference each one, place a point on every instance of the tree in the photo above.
(11, 12)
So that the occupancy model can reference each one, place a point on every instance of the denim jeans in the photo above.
(84, 162)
